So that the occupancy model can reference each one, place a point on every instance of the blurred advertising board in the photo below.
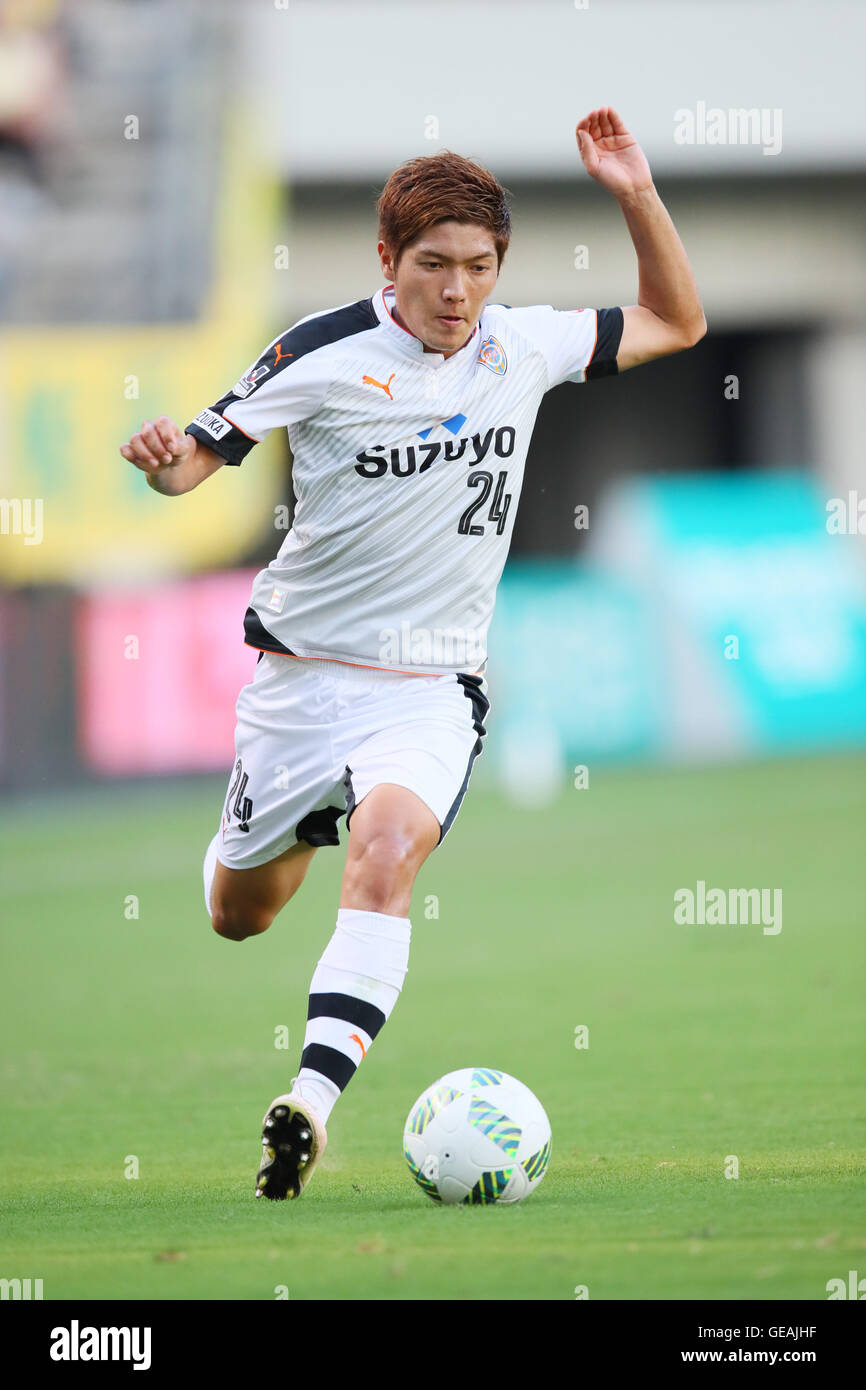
(717, 617)
(159, 674)
(760, 609)
(573, 674)
(78, 513)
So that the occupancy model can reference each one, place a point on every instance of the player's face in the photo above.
(442, 282)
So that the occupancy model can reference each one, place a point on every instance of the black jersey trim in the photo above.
(471, 685)
(319, 828)
(257, 635)
(319, 332)
(233, 446)
(608, 338)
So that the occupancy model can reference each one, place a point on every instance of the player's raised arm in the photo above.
(174, 462)
(668, 316)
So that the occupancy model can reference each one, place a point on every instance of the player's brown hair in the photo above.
(441, 187)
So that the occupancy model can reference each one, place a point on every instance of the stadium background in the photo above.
(165, 213)
(180, 182)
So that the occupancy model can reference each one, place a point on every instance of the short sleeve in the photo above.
(577, 344)
(280, 388)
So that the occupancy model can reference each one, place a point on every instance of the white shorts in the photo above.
(314, 737)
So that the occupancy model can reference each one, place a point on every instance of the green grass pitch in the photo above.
(150, 1037)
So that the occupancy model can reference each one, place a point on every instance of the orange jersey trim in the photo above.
(243, 432)
(360, 665)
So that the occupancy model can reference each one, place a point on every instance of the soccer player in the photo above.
(409, 415)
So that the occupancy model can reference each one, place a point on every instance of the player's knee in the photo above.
(236, 924)
(382, 865)
(389, 851)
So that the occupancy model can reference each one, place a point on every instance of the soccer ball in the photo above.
(477, 1136)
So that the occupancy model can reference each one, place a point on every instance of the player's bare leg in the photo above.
(357, 982)
(245, 901)
(391, 834)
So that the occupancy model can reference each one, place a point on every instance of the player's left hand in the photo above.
(611, 155)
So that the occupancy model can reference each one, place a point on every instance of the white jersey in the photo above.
(407, 473)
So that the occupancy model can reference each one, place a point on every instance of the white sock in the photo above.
(354, 988)
(210, 863)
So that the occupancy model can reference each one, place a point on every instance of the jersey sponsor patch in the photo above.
(277, 599)
(492, 354)
(249, 380)
(212, 424)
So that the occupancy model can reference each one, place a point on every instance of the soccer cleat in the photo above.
(293, 1141)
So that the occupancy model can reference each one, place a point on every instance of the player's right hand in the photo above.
(158, 445)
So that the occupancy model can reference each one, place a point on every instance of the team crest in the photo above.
(246, 384)
(492, 355)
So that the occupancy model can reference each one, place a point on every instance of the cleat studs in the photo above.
(289, 1147)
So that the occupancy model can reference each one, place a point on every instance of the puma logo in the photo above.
(281, 356)
(353, 1037)
(386, 386)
